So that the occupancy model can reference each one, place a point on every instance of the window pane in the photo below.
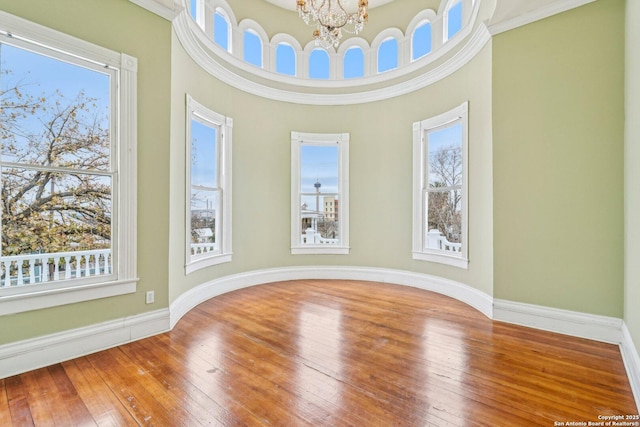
(53, 113)
(193, 9)
(421, 41)
(252, 48)
(221, 31)
(388, 55)
(319, 207)
(205, 215)
(444, 220)
(319, 169)
(46, 212)
(445, 156)
(454, 20)
(320, 225)
(353, 63)
(204, 155)
(319, 64)
(285, 59)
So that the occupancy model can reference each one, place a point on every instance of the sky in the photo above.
(40, 76)
(444, 138)
(319, 163)
(44, 75)
(204, 154)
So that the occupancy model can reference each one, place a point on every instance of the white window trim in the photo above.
(419, 178)
(342, 139)
(124, 155)
(203, 114)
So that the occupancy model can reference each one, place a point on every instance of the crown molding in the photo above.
(207, 58)
(168, 9)
(536, 15)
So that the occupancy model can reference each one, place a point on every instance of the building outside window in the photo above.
(209, 187)
(440, 188)
(319, 193)
(67, 162)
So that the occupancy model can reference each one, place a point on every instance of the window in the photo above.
(453, 22)
(221, 29)
(319, 66)
(67, 169)
(353, 62)
(388, 55)
(421, 41)
(193, 9)
(440, 188)
(319, 193)
(252, 48)
(208, 187)
(285, 59)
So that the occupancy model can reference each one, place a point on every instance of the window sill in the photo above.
(320, 250)
(41, 297)
(200, 263)
(442, 258)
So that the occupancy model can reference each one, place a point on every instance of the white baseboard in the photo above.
(582, 325)
(471, 296)
(23, 356)
(631, 362)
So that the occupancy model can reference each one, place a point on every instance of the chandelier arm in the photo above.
(331, 17)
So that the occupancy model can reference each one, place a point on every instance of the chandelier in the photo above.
(331, 17)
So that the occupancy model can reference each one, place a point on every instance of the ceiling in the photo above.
(505, 9)
(291, 4)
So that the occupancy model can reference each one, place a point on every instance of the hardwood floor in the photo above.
(329, 353)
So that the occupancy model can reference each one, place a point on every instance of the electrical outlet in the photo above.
(151, 297)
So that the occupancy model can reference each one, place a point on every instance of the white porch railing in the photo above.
(203, 248)
(436, 240)
(312, 237)
(19, 270)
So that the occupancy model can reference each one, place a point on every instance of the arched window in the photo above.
(453, 20)
(353, 62)
(319, 67)
(252, 48)
(421, 41)
(388, 55)
(285, 59)
(221, 29)
(193, 9)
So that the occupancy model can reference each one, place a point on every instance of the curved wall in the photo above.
(380, 174)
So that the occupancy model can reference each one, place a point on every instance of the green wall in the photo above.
(123, 27)
(632, 174)
(558, 121)
(380, 174)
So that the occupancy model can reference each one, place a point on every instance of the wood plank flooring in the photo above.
(329, 353)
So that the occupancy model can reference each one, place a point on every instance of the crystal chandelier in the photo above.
(331, 17)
